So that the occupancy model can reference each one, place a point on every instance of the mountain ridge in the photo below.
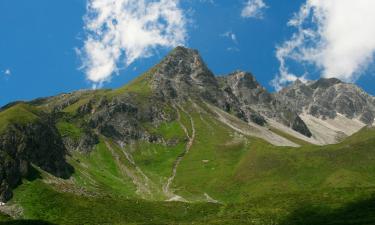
(183, 74)
(179, 145)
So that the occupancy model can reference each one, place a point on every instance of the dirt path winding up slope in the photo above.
(167, 186)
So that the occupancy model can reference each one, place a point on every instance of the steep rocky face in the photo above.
(123, 119)
(22, 145)
(325, 98)
(247, 89)
(243, 91)
(258, 104)
(183, 74)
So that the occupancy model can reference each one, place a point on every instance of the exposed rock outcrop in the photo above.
(183, 74)
(23, 145)
(325, 98)
(258, 104)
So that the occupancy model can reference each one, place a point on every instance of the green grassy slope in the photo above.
(19, 114)
(342, 206)
(253, 182)
(98, 172)
(4, 217)
(232, 168)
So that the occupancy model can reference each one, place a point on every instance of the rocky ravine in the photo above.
(312, 112)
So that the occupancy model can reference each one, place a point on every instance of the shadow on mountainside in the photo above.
(24, 146)
(360, 212)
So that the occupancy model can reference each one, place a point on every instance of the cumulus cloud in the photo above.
(122, 31)
(335, 36)
(254, 9)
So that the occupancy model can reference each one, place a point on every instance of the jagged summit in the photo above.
(183, 73)
(328, 97)
(183, 61)
(245, 86)
(325, 83)
(313, 84)
(243, 79)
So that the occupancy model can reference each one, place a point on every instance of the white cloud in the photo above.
(335, 36)
(254, 9)
(122, 31)
(232, 36)
(7, 72)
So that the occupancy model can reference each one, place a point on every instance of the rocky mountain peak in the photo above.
(184, 62)
(242, 79)
(183, 73)
(328, 97)
(325, 83)
(246, 87)
(298, 82)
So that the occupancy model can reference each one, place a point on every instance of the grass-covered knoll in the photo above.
(168, 130)
(70, 130)
(44, 203)
(75, 106)
(156, 160)
(138, 89)
(21, 114)
(140, 86)
(81, 99)
(99, 172)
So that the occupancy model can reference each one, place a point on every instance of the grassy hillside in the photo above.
(19, 114)
(232, 168)
(224, 177)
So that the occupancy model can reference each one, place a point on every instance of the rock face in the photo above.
(183, 74)
(121, 118)
(258, 103)
(326, 98)
(20, 146)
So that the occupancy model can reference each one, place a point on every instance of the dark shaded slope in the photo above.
(27, 138)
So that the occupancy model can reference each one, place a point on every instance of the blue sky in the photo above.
(42, 44)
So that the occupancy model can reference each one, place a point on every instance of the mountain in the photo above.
(330, 107)
(327, 98)
(179, 145)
